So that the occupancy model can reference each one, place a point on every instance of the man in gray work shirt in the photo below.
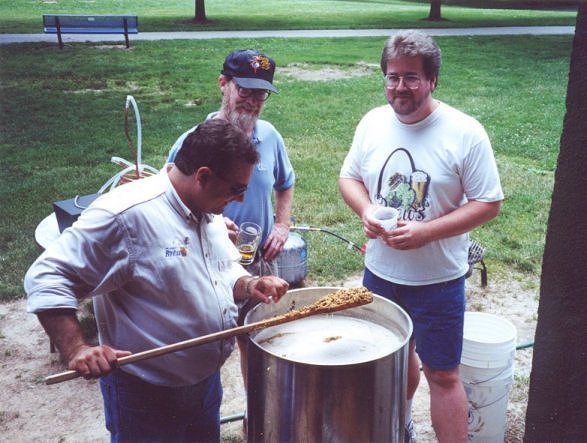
(157, 260)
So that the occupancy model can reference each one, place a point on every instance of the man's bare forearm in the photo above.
(64, 329)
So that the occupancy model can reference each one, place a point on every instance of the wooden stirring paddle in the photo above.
(335, 301)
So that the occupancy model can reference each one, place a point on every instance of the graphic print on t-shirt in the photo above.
(407, 192)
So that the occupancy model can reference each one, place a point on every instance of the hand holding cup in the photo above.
(387, 217)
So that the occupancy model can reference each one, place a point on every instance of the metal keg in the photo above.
(292, 261)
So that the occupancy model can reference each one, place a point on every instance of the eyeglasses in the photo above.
(410, 81)
(235, 190)
(258, 94)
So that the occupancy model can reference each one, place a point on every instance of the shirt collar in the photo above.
(178, 205)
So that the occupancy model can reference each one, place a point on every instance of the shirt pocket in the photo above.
(223, 253)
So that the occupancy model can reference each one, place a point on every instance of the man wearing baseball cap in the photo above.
(246, 82)
(250, 69)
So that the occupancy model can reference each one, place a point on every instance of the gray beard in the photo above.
(246, 122)
(243, 120)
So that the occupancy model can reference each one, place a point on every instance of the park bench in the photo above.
(90, 24)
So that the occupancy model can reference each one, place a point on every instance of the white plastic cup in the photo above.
(387, 217)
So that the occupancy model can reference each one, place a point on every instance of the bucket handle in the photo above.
(491, 378)
(493, 402)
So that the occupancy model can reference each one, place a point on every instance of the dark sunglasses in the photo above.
(234, 189)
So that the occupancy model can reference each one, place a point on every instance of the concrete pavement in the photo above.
(318, 33)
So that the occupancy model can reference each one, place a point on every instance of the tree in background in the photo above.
(200, 16)
(557, 404)
(434, 14)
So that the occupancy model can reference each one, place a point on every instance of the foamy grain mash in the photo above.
(326, 339)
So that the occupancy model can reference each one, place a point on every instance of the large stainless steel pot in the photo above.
(294, 401)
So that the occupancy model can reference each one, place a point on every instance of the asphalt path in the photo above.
(318, 33)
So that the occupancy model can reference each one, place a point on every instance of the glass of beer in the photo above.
(247, 241)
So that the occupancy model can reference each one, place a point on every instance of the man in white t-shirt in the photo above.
(435, 165)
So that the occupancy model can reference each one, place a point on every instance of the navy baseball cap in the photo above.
(250, 69)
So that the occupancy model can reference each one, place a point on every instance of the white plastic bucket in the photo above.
(487, 371)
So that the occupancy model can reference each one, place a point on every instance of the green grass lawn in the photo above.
(177, 15)
(61, 119)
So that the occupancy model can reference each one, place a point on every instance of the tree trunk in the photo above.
(200, 16)
(434, 14)
(557, 402)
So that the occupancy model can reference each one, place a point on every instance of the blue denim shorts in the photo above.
(137, 411)
(437, 312)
